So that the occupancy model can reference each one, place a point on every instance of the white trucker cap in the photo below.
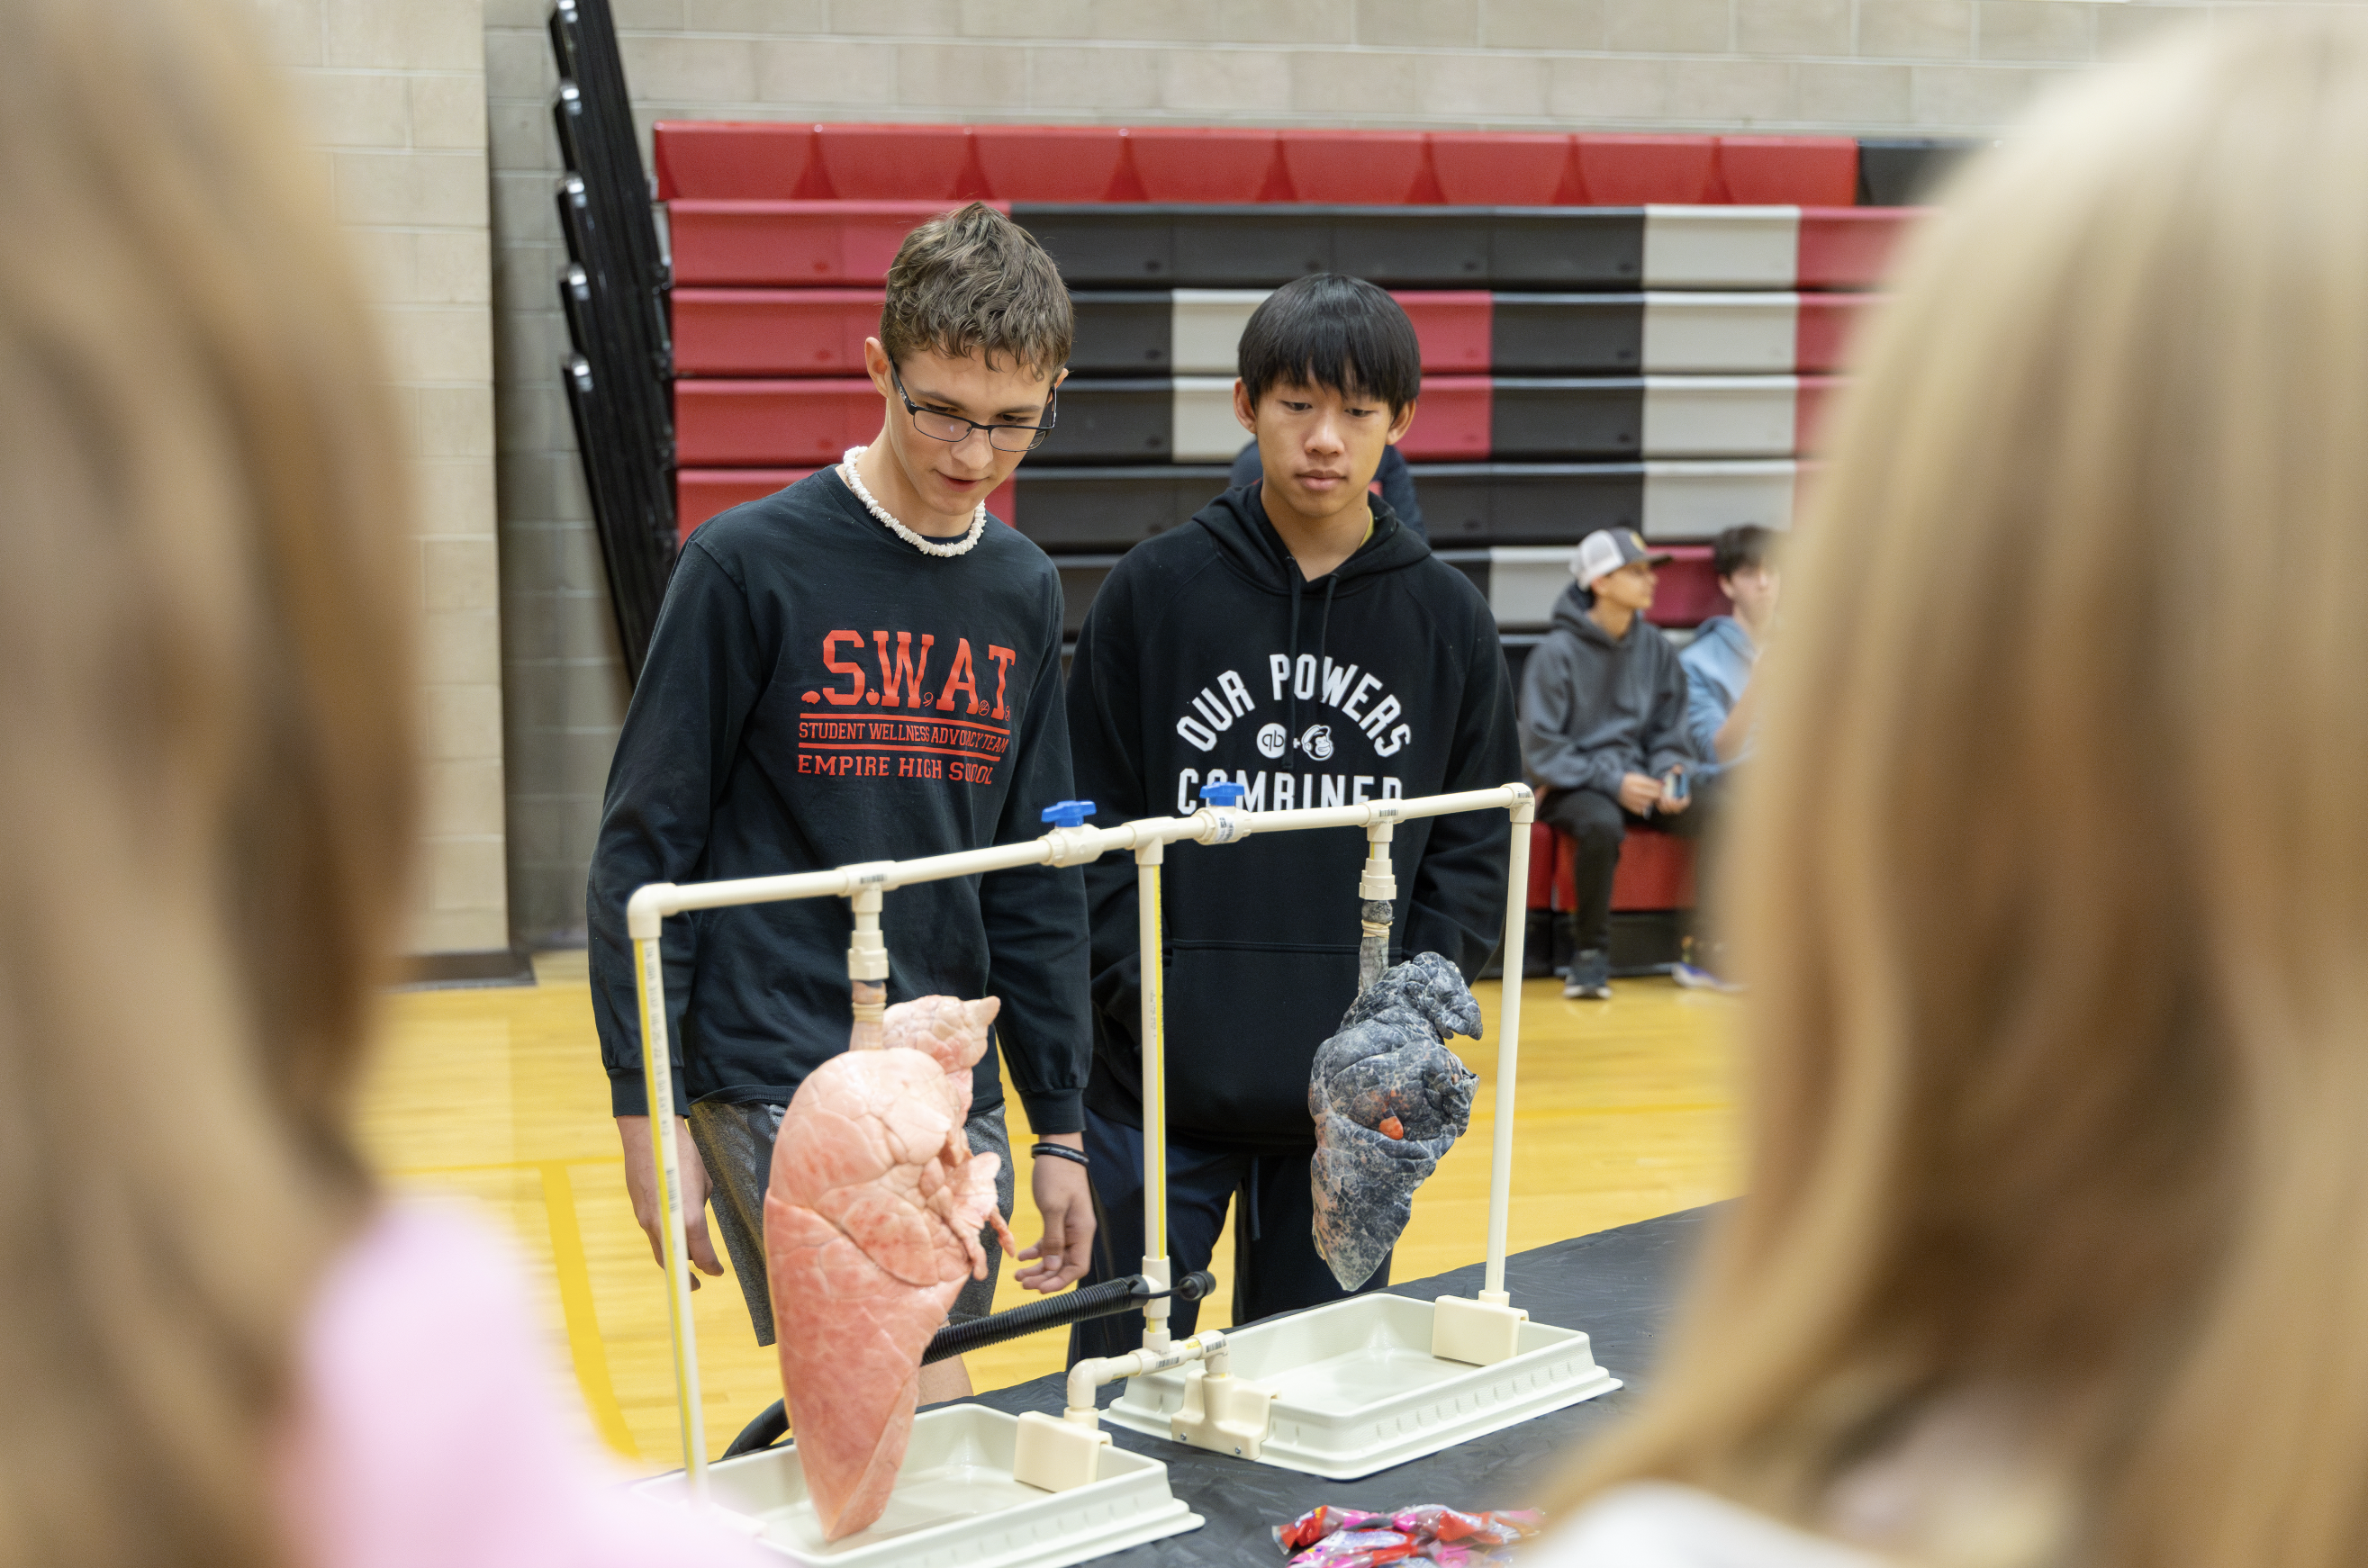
(1608, 550)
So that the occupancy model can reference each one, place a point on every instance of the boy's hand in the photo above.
(1640, 792)
(1065, 1200)
(641, 1185)
(1671, 802)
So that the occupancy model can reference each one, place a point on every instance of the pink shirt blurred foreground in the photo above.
(433, 1430)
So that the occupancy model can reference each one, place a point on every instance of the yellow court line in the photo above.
(591, 1357)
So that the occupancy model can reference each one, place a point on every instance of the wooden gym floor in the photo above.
(496, 1095)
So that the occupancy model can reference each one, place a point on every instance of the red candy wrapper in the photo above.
(1427, 1535)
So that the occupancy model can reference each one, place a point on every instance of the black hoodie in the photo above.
(819, 692)
(1208, 658)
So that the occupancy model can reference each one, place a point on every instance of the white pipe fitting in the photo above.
(1095, 1370)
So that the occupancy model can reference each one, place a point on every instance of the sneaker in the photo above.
(1695, 979)
(1590, 977)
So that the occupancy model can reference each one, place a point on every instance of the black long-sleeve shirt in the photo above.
(1207, 658)
(819, 692)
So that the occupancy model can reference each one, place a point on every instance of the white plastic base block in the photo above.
(1478, 1334)
(955, 1503)
(1357, 1390)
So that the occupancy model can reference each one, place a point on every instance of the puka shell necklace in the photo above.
(926, 546)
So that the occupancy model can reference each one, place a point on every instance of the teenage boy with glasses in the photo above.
(863, 667)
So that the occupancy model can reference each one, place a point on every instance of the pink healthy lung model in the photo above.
(871, 1225)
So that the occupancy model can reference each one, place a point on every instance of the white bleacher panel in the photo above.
(1721, 247)
(1690, 334)
(1692, 501)
(1208, 328)
(1525, 580)
(1719, 416)
(1205, 429)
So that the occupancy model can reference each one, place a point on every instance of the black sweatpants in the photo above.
(1598, 824)
(1276, 1267)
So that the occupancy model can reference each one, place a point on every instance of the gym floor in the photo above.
(495, 1096)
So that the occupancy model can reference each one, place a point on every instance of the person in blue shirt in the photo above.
(1722, 700)
(1723, 707)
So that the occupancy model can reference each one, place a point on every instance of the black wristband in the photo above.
(1060, 1151)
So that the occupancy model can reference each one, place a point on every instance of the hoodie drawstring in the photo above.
(1291, 732)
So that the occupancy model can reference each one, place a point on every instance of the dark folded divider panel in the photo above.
(1548, 504)
(1126, 332)
(1263, 247)
(1112, 422)
(1110, 508)
(1545, 420)
(1566, 334)
(1082, 578)
(1904, 172)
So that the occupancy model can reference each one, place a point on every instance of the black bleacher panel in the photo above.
(1123, 334)
(1111, 422)
(1416, 247)
(1081, 578)
(1110, 508)
(1551, 335)
(1567, 247)
(1251, 247)
(1902, 173)
(1120, 245)
(1530, 503)
(1551, 419)
(1115, 246)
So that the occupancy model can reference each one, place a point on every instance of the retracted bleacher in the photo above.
(1617, 330)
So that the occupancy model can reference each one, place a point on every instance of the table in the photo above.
(1618, 1286)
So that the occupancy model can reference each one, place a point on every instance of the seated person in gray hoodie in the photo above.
(1603, 730)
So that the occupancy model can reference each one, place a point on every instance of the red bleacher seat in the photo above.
(700, 494)
(773, 331)
(1686, 592)
(1206, 163)
(772, 423)
(1656, 871)
(1809, 408)
(893, 162)
(1848, 247)
(1049, 163)
(1824, 324)
(1502, 168)
(1453, 327)
(724, 159)
(1364, 168)
(1452, 424)
(1630, 171)
(726, 244)
(1789, 171)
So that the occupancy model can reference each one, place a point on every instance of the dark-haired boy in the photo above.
(1297, 640)
(863, 667)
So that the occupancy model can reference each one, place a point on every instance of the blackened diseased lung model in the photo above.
(1389, 1099)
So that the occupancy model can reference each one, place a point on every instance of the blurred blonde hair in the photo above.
(2054, 886)
(206, 778)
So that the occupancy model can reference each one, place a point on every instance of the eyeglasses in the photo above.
(954, 428)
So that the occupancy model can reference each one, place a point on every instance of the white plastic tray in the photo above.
(1357, 1389)
(955, 1503)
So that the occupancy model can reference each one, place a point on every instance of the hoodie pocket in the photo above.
(1243, 1026)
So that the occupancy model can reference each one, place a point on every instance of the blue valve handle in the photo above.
(1069, 814)
(1226, 794)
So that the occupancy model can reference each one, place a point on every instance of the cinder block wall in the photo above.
(393, 93)
(1865, 67)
